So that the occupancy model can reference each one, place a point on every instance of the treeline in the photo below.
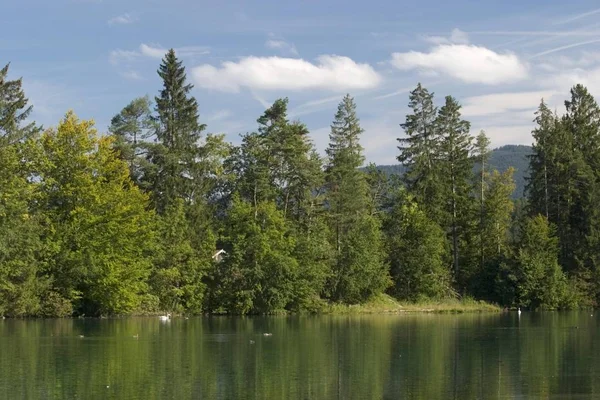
(129, 222)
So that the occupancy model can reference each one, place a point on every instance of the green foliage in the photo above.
(455, 164)
(14, 111)
(358, 270)
(132, 127)
(179, 269)
(418, 253)
(419, 150)
(178, 131)
(540, 280)
(98, 227)
(21, 281)
(129, 222)
(259, 273)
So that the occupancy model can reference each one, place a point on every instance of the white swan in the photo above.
(165, 317)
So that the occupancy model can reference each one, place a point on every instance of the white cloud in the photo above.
(151, 51)
(154, 51)
(313, 106)
(282, 46)
(577, 17)
(503, 102)
(566, 47)
(122, 19)
(330, 72)
(456, 37)
(468, 63)
(219, 115)
(132, 75)
(118, 56)
(508, 134)
(565, 79)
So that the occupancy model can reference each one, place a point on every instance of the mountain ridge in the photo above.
(501, 158)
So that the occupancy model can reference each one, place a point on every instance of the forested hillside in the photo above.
(501, 158)
(129, 221)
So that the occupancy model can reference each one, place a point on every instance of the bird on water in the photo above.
(165, 317)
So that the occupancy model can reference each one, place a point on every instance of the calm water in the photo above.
(540, 355)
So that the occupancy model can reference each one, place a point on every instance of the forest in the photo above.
(128, 221)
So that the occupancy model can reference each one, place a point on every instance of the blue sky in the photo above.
(498, 58)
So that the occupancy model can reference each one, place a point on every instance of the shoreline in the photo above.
(385, 304)
(380, 305)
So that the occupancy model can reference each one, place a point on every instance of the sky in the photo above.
(498, 58)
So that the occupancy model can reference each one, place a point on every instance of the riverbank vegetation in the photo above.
(129, 221)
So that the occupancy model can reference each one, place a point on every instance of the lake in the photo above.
(418, 356)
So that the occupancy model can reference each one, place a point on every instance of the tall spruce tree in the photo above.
(14, 111)
(23, 286)
(359, 270)
(418, 151)
(582, 120)
(456, 168)
(178, 134)
(183, 175)
(541, 161)
(481, 156)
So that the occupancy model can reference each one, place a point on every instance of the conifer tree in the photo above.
(23, 286)
(418, 151)
(132, 128)
(481, 157)
(456, 168)
(278, 165)
(14, 111)
(178, 133)
(359, 270)
(542, 161)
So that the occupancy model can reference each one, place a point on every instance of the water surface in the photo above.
(471, 356)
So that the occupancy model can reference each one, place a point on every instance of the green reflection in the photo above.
(471, 356)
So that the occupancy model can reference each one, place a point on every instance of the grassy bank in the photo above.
(384, 304)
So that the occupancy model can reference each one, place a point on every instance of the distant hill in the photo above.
(515, 156)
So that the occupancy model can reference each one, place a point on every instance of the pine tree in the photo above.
(178, 132)
(456, 168)
(498, 212)
(359, 270)
(481, 156)
(418, 152)
(14, 111)
(582, 121)
(542, 161)
(278, 165)
(23, 286)
(132, 128)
